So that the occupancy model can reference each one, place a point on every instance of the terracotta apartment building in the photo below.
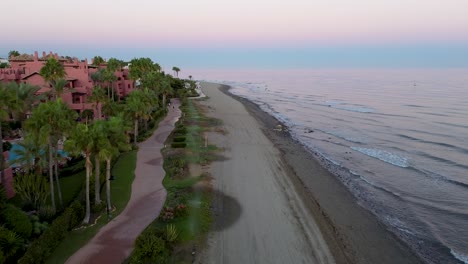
(25, 69)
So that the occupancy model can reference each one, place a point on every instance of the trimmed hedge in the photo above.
(182, 130)
(178, 145)
(42, 247)
(17, 221)
(178, 139)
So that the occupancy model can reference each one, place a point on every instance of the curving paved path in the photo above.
(114, 242)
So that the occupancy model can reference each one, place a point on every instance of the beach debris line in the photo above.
(280, 128)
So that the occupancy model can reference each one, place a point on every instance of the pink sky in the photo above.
(238, 23)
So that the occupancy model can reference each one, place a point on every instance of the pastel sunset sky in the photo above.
(245, 33)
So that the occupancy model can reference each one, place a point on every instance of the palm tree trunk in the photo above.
(88, 204)
(97, 180)
(51, 174)
(59, 190)
(164, 101)
(2, 159)
(108, 175)
(135, 132)
(112, 90)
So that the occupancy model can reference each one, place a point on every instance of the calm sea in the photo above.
(401, 136)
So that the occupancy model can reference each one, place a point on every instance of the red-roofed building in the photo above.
(25, 69)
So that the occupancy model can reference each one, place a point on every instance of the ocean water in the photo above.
(399, 138)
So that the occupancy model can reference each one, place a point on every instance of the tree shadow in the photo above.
(226, 211)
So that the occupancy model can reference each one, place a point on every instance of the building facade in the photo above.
(25, 69)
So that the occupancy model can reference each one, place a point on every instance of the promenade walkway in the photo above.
(114, 242)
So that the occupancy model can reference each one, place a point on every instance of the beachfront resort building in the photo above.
(25, 69)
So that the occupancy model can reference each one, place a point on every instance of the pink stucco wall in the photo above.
(26, 69)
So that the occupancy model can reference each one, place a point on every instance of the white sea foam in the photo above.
(383, 155)
(459, 256)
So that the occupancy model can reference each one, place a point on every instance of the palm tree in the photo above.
(58, 88)
(52, 71)
(140, 67)
(25, 98)
(166, 89)
(81, 142)
(116, 141)
(98, 60)
(137, 106)
(13, 53)
(109, 77)
(87, 114)
(30, 154)
(98, 97)
(7, 104)
(190, 77)
(176, 70)
(47, 121)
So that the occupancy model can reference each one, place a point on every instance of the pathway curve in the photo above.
(114, 242)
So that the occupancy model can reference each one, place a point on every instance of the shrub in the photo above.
(10, 242)
(181, 210)
(46, 213)
(181, 130)
(171, 233)
(17, 220)
(178, 145)
(150, 248)
(32, 189)
(167, 214)
(6, 146)
(97, 208)
(178, 139)
(42, 247)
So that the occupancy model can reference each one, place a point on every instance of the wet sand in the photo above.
(283, 206)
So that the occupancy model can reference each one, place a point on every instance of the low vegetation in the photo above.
(186, 216)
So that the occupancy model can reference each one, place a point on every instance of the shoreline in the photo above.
(353, 233)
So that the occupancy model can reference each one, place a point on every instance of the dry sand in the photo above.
(260, 217)
(277, 204)
(114, 242)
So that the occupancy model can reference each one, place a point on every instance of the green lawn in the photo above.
(71, 186)
(124, 172)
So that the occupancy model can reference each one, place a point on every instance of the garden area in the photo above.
(185, 219)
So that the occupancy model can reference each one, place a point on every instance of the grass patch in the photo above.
(71, 187)
(124, 172)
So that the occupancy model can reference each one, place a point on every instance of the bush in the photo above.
(181, 130)
(6, 146)
(171, 233)
(32, 189)
(150, 247)
(17, 220)
(46, 213)
(167, 214)
(178, 139)
(10, 242)
(97, 208)
(178, 145)
(42, 247)
(181, 210)
(78, 214)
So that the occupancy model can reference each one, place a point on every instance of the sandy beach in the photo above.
(279, 205)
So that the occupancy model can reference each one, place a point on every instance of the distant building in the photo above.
(25, 69)
(3, 60)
